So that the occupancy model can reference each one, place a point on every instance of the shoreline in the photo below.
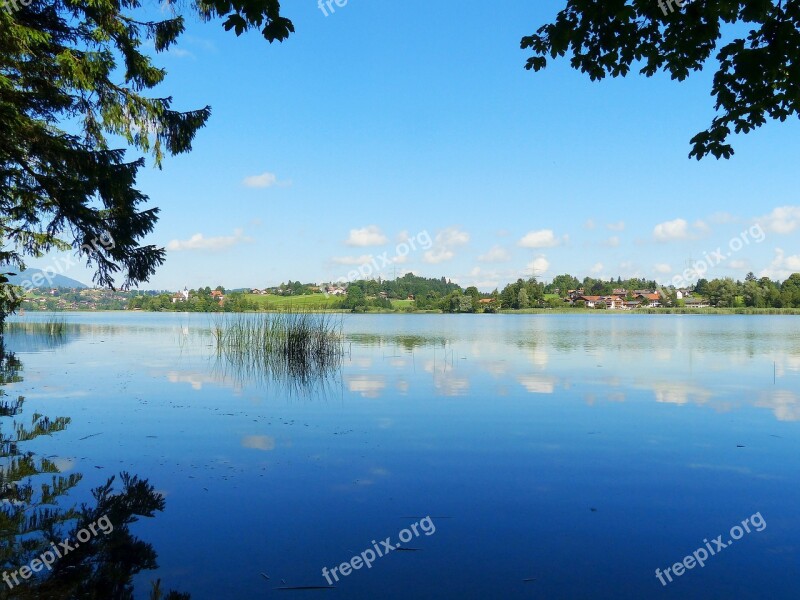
(526, 311)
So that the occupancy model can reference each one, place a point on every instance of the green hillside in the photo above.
(310, 301)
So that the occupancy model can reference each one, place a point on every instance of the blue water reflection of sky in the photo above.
(579, 451)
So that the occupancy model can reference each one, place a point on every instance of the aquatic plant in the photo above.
(55, 327)
(291, 344)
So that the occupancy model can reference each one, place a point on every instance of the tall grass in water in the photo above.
(53, 327)
(300, 345)
(37, 336)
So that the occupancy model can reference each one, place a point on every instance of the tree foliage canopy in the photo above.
(74, 82)
(758, 74)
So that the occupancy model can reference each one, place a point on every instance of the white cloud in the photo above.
(438, 255)
(738, 264)
(444, 242)
(199, 242)
(495, 254)
(448, 384)
(663, 268)
(589, 224)
(543, 238)
(538, 384)
(368, 386)
(782, 220)
(702, 227)
(180, 53)
(63, 464)
(612, 242)
(174, 51)
(680, 393)
(265, 180)
(596, 269)
(452, 236)
(487, 280)
(784, 404)
(371, 235)
(352, 260)
(538, 266)
(487, 284)
(722, 218)
(619, 226)
(782, 266)
(671, 230)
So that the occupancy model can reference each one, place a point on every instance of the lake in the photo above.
(537, 456)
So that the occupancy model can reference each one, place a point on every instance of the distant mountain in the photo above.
(55, 280)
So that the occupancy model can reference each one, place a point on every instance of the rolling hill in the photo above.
(56, 280)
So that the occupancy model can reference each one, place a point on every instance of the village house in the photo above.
(181, 296)
(696, 302)
(653, 299)
(615, 303)
(611, 302)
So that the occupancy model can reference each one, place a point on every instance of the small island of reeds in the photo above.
(300, 344)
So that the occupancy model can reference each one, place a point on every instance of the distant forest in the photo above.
(413, 293)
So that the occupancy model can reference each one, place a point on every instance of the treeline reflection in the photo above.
(40, 557)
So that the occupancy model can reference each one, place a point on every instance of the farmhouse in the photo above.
(182, 296)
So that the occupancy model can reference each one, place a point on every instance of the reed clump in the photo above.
(55, 327)
(291, 342)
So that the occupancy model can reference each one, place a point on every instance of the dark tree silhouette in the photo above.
(73, 74)
(758, 75)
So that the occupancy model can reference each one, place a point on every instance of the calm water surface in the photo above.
(578, 452)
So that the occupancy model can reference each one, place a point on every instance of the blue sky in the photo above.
(384, 121)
